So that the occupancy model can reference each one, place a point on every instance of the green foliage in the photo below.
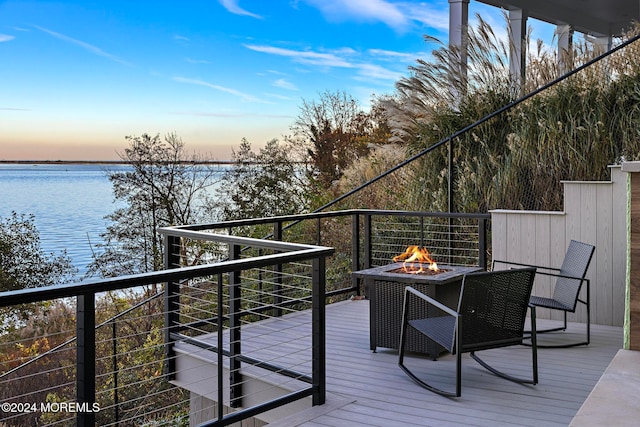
(260, 184)
(23, 264)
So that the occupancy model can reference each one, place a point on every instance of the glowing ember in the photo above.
(415, 260)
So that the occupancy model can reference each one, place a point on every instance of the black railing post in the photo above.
(235, 347)
(482, 243)
(277, 291)
(318, 320)
(171, 303)
(355, 250)
(450, 177)
(86, 357)
(318, 232)
(367, 241)
(114, 348)
(220, 342)
(450, 197)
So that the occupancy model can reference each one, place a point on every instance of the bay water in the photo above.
(68, 201)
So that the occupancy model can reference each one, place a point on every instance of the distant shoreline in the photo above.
(99, 162)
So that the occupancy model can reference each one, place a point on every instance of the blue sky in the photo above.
(78, 76)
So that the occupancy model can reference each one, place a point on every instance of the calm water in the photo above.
(69, 203)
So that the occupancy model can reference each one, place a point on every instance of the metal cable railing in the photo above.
(124, 365)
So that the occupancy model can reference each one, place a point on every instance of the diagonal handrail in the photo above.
(478, 122)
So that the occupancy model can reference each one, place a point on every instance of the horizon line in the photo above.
(104, 162)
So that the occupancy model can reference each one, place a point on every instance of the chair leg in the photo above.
(507, 376)
(534, 356)
(417, 380)
(588, 319)
(534, 344)
(564, 328)
(428, 386)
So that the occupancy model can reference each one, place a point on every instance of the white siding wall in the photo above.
(594, 213)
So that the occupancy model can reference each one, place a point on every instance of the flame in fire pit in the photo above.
(415, 260)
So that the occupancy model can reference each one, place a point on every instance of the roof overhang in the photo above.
(594, 17)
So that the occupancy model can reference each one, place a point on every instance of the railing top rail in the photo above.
(24, 296)
(177, 230)
(244, 241)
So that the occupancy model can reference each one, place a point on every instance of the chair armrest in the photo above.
(525, 265)
(409, 290)
(564, 276)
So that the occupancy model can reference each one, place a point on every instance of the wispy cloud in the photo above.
(180, 38)
(278, 96)
(233, 7)
(13, 109)
(372, 71)
(304, 56)
(432, 14)
(6, 38)
(284, 84)
(88, 47)
(364, 68)
(363, 10)
(197, 61)
(398, 15)
(393, 55)
(243, 96)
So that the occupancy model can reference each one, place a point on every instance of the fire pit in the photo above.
(384, 286)
(395, 273)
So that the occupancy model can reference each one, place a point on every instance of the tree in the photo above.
(163, 187)
(259, 184)
(23, 264)
(334, 131)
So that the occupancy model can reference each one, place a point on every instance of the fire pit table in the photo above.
(384, 286)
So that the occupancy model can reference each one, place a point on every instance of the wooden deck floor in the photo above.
(366, 388)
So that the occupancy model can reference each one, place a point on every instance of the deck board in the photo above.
(380, 394)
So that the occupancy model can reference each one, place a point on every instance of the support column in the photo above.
(565, 48)
(458, 35)
(603, 43)
(518, 53)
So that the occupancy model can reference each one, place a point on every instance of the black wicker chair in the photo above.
(491, 313)
(566, 293)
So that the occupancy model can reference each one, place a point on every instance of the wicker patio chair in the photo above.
(491, 314)
(566, 293)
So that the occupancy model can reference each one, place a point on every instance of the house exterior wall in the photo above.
(632, 325)
(594, 213)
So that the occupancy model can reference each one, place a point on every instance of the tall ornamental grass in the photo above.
(517, 160)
